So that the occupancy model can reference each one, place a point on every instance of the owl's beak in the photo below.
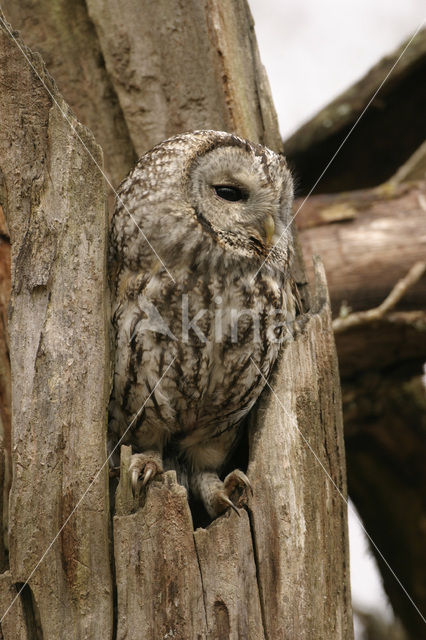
(269, 226)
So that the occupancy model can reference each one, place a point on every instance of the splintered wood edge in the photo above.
(124, 500)
(319, 288)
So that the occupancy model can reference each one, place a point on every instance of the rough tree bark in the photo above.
(281, 569)
(53, 198)
(5, 389)
(67, 40)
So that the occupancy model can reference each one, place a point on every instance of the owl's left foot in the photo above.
(236, 487)
(219, 496)
(146, 466)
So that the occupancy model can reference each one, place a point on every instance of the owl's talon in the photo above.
(221, 503)
(149, 471)
(233, 492)
(145, 465)
(135, 478)
(237, 478)
(229, 502)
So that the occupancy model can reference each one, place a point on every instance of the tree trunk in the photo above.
(53, 197)
(67, 40)
(281, 569)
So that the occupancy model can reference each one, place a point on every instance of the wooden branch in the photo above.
(367, 317)
(368, 240)
(54, 201)
(358, 235)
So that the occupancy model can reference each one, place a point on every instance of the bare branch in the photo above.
(371, 315)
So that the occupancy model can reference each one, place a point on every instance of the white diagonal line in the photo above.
(65, 115)
(82, 497)
(342, 143)
(345, 500)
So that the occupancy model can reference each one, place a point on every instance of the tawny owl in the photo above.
(200, 250)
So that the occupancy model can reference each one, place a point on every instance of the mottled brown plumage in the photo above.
(194, 222)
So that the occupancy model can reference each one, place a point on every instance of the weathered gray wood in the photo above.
(228, 572)
(65, 36)
(159, 589)
(53, 197)
(124, 500)
(5, 390)
(178, 66)
(297, 469)
(163, 568)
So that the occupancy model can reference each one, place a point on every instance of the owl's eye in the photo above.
(228, 192)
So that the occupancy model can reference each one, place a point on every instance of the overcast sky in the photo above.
(313, 50)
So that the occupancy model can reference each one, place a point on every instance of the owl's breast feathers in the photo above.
(218, 329)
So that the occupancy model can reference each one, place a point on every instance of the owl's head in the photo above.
(242, 193)
(204, 185)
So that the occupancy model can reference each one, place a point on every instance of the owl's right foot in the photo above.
(146, 466)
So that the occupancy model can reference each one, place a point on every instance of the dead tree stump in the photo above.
(281, 569)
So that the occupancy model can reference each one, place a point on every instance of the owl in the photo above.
(199, 269)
